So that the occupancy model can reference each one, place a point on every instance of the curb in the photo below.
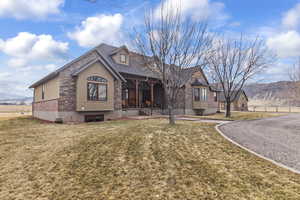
(217, 127)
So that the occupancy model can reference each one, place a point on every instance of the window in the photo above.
(196, 94)
(204, 91)
(123, 58)
(97, 79)
(102, 92)
(215, 96)
(94, 118)
(43, 91)
(125, 94)
(96, 89)
(203, 94)
(92, 91)
(200, 94)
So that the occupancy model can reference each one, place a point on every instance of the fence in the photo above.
(291, 109)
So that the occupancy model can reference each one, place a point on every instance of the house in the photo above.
(112, 82)
(239, 101)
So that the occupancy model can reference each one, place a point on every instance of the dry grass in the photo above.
(240, 116)
(6, 116)
(144, 159)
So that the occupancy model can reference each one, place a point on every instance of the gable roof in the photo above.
(76, 73)
(199, 82)
(136, 65)
(236, 95)
(136, 62)
(56, 72)
(119, 49)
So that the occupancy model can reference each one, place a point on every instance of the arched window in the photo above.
(96, 88)
(97, 79)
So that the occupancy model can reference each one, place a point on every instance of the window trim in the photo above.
(204, 94)
(97, 80)
(97, 86)
(43, 91)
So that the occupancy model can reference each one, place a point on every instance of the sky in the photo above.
(39, 36)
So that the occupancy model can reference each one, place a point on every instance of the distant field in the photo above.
(14, 108)
(273, 105)
(12, 111)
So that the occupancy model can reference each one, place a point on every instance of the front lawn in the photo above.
(240, 116)
(143, 159)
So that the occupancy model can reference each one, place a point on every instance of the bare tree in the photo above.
(234, 62)
(172, 46)
(294, 76)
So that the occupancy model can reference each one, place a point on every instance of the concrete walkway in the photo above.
(277, 138)
(178, 118)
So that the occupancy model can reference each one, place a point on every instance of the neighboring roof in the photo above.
(236, 95)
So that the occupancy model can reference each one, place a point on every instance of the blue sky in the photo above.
(38, 36)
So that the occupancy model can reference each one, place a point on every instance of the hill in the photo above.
(279, 93)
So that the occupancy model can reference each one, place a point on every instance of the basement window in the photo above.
(94, 118)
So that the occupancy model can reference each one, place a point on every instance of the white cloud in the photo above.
(285, 44)
(197, 9)
(4, 75)
(27, 47)
(22, 9)
(97, 29)
(291, 18)
(48, 67)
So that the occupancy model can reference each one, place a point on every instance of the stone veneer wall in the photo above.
(118, 95)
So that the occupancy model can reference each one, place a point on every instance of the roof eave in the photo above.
(45, 79)
(106, 62)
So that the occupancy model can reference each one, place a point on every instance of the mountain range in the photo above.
(279, 93)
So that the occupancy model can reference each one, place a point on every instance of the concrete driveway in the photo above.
(276, 138)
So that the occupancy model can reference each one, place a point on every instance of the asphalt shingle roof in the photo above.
(236, 95)
(136, 62)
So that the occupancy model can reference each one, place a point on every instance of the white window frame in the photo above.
(123, 58)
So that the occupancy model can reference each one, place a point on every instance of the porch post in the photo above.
(136, 93)
(152, 94)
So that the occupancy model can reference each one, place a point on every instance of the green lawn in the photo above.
(240, 116)
(142, 159)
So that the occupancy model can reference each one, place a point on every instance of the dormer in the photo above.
(121, 55)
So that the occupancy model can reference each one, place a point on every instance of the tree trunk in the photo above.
(171, 115)
(228, 109)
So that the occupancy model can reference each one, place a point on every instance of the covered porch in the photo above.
(141, 92)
